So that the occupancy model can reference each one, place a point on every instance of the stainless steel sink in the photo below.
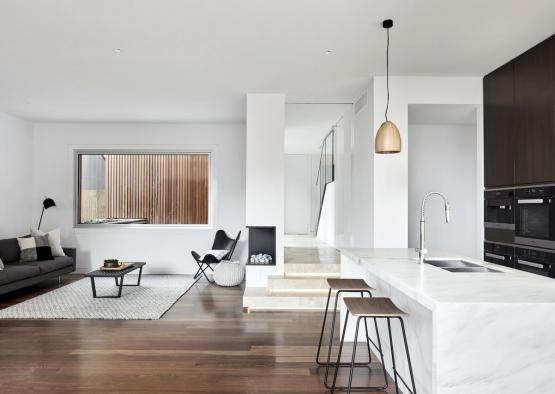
(472, 269)
(451, 263)
(460, 266)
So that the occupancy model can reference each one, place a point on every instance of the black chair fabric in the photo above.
(221, 242)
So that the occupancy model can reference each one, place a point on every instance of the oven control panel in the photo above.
(535, 261)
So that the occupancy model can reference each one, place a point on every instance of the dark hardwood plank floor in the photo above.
(204, 344)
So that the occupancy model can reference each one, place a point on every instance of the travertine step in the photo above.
(312, 270)
(257, 299)
(280, 284)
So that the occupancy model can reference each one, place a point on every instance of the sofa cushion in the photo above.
(47, 266)
(9, 250)
(15, 272)
(53, 240)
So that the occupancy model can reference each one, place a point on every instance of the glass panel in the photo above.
(497, 214)
(534, 221)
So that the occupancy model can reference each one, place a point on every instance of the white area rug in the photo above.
(149, 301)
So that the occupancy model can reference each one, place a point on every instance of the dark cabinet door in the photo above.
(499, 127)
(535, 136)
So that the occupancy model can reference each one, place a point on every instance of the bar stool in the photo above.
(342, 285)
(376, 308)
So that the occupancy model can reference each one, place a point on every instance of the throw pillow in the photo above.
(218, 254)
(53, 240)
(35, 248)
(1, 265)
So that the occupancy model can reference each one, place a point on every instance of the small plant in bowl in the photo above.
(111, 263)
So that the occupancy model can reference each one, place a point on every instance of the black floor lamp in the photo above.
(47, 203)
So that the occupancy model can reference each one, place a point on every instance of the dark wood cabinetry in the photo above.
(519, 119)
(499, 126)
(535, 142)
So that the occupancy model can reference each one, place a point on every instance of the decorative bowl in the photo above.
(111, 263)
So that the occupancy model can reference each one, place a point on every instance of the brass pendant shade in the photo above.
(388, 139)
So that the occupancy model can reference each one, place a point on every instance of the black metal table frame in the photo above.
(119, 283)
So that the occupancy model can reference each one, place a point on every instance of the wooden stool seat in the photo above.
(348, 284)
(372, 307)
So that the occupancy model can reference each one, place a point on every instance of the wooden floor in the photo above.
(204, 344)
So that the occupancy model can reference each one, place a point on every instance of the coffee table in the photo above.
(115, 274)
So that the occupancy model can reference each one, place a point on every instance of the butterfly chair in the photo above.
(222, 249)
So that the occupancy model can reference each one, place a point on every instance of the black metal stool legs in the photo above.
(324, 363)
(396, 376)
(322, 332)
(345, 364)
(336, 366)
(352, 364)
(352, 369)
(408, 358)
(395, 373)
(380, 351)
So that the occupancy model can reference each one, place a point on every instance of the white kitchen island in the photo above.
(467, 332)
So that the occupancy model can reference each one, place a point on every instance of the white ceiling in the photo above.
(194, 60)
(306, 125)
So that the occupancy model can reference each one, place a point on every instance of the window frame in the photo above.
(145, 151)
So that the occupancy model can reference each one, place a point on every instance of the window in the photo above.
(143, 188)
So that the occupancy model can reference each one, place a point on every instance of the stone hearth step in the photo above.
(312, 270)
(258, 299)
(280, 284)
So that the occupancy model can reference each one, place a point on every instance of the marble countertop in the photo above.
(433, 286)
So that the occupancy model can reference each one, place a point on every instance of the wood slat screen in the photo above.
(160, 188)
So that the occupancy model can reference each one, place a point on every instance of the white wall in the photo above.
(361, 175)
(314, 192)
(166, 250)
(298, 194)
(443, 158)
(16, 176)
(375, 188)
(265, 166)
(390, 172)
(328, 225)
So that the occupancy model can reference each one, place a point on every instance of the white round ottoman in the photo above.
(229, 273)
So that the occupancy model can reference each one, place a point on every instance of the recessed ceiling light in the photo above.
(117, 50)
(329, 52)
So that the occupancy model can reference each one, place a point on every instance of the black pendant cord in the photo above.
(387, 73)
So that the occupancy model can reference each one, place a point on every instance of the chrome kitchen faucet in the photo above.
(422, 251)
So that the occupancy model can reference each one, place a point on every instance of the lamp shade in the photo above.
(388, 139)
(48, 203)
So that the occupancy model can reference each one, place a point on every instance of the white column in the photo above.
(265, 165)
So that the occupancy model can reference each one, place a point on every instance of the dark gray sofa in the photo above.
(17, 275)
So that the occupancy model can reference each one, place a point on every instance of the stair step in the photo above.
(279, 284)
(313, 270)
(257, 299)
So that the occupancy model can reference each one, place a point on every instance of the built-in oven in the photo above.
(499, 224)
(535, 261)
(535, 217)
(499, 254)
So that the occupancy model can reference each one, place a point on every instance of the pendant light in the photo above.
(388, 139)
